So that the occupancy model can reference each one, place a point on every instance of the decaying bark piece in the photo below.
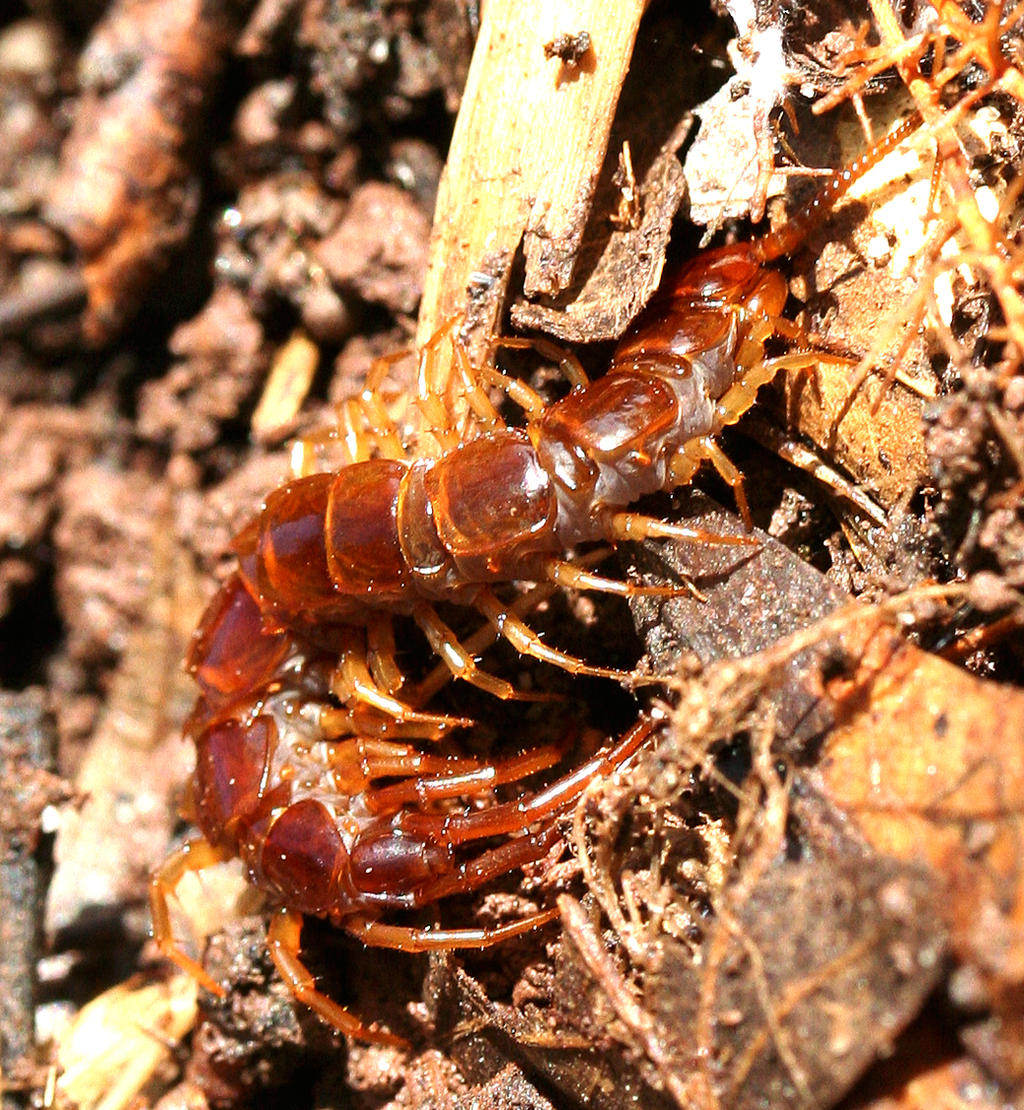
(127, 191)
(622, 250)
(27, 786)
(804, 980)
(525, 156)
(106, 847)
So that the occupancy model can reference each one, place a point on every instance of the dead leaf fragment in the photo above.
(929, 763)
(117, 1042)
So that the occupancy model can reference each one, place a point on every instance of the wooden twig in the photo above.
(528, 146)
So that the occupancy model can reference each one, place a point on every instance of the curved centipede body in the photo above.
(348, 829)
(308, 766)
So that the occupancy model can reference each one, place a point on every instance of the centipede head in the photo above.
(730, 276)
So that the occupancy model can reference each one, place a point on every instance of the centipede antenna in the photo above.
(785, 239)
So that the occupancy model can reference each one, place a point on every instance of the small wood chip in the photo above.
(291, 375)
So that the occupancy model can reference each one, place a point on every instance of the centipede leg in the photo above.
(568, 363)
(461, 663)
(564, 573)
(431, 395)
(427, 381)
(352, 678)
(510, 817)
(528, 642)
(352, 431)
(437, 419)
(366, 429)
(381, 653)
(461, 779)
(408, 938)
(362, 720)
(730, 474)
(284, 941)
(480, 640)
(637, 527)
(357, 762)
(739, 397)
(474, 873)
(684, 464)
(529, 400)
(480, 870)
(195, 855)
(434, 395)
(379, 367)
(476, 395)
